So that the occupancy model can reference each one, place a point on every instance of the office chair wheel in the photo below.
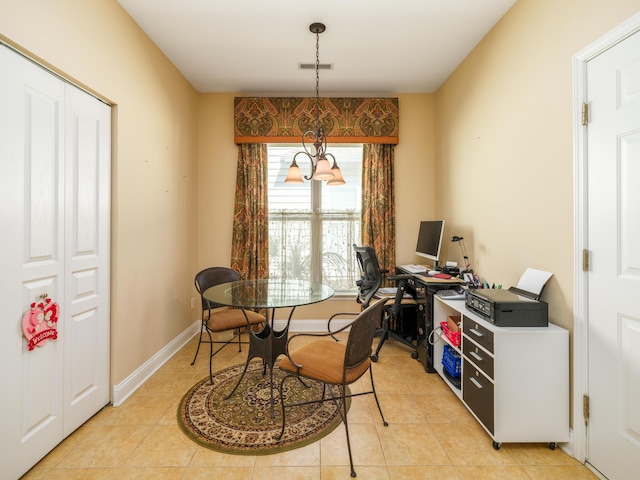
(374, 357)
(414, 355)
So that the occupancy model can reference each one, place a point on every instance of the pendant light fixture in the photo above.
(314, 142)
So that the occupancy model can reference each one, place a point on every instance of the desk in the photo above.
(423, 287)
(267, 344)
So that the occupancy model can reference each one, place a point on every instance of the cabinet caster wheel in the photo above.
(414, 355)
(496, 446)
(374, 358)
(552, 445)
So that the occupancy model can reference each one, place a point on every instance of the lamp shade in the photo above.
(337, 179)
(323, 170)
(294, 175)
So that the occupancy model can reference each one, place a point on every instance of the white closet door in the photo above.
(86, 249)
(54, 201)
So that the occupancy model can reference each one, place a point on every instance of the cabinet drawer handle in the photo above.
(476, 356)
(477, 333)
(475, 382)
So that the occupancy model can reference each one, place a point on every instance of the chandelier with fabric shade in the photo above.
(314, 142)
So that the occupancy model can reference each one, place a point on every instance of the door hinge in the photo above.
(585, 408)
(585, 114)
(585, 260)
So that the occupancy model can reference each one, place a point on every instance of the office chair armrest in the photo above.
(401, 276)
(402, 282)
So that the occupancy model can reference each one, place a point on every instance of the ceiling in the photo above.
(374, 46)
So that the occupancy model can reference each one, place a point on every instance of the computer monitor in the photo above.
(430, 239)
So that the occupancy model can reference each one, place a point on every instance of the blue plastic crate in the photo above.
(451, 361)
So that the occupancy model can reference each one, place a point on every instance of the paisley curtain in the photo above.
(250, 243)
(378, 203)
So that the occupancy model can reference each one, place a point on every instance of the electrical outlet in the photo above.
(193, 303)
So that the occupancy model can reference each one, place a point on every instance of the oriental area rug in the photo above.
(242, 425)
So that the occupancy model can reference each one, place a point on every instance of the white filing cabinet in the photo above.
(515, 380)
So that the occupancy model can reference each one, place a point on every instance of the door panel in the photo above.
(41, 378)
(629, 360)
(630, 203)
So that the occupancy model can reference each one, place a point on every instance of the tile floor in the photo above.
(430, 435)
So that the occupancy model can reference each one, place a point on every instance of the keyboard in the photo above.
(451, 294)
(414, 268)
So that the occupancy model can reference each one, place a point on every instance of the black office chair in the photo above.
(335, 364)
(216, 321)
(368, 288)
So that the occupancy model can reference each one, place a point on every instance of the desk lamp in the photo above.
(467, 263)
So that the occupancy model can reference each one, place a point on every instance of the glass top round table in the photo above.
(269, 293)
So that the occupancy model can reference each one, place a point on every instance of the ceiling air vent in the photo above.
(312, 66)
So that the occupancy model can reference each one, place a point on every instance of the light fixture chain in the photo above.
(317, 80)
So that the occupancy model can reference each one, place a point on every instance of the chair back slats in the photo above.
(363, 329)
(212, 276)
(371, 278)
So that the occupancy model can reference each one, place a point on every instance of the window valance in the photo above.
(345, 120)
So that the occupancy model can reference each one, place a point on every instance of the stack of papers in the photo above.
(387, 291)
(413, 268)
(390, 292)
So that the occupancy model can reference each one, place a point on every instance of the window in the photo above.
(312, 226)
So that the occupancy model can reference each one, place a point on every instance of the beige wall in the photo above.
(414, 172)
(217, 159)
(154, 161)
(217, 170)
(504, 132)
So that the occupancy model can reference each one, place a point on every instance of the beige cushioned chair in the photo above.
(335, 364)
(216, 319)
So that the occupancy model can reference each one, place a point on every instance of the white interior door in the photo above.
(613, 89)
(54, 201)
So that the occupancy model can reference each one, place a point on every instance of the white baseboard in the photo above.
(567, 447)
(123, 390)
